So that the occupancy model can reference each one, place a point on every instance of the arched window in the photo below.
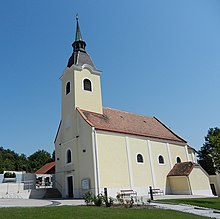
(178, 160)
(87, 85)
(67, 87)
(161, 159)
(68, 156)
(140, 158)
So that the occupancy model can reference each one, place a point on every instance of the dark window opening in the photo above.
(69, 156)
(67, 88)
(161, 159)
(87, 85)
(140, 158)
(178, 160)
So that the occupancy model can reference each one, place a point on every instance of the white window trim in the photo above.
(137, 160)
(83, 85)
(70, 88)
(162, 164)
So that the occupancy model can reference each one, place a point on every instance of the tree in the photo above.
(53, 155)
(38, 159)
(209, 154)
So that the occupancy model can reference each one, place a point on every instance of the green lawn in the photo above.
(202, 202)
(86, 212)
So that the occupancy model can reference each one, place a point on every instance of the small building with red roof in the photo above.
(48, 168)
(45, 174)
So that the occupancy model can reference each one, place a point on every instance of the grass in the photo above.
(202, 202)
(90, 212)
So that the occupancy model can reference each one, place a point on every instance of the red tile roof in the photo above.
(182, 169)
(46, 168)
(128, 123)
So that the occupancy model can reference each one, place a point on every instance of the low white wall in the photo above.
(13, 190)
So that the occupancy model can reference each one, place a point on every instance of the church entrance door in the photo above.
(70, 186)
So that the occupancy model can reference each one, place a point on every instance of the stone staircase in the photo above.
(52, 193)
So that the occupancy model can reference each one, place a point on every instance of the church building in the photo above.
(98, 147)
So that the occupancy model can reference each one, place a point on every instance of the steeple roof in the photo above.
(78, 36)
(79, 55)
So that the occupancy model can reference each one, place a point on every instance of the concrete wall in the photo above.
(13, 190)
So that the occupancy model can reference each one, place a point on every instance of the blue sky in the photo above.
(159, 58)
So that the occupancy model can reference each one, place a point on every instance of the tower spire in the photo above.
(78, 44)
(78, 36)
(79, 55)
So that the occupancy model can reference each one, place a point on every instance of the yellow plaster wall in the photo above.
(177, 151)
(87, 100)
(192, 156)
(68, 126)
(160, 170)
(141, 171)
(85, 159)
(199, 181)
(113, 163)
(179, 185)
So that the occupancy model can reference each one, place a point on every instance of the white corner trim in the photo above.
(169, 155)
(129, 162)
(95, 161)
(151, 164)
(187, 154)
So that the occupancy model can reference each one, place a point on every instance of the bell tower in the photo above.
(81, 85)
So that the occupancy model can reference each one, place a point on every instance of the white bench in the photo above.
(157, 192)
(128, 192)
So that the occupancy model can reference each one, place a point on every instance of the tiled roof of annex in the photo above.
(47, 167)
(114, 120)
(182, 169)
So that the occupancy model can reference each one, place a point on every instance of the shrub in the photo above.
(108, 201)
(9, 175)
(120, 199)
(129, 203)
(98, 200)
(88, 197)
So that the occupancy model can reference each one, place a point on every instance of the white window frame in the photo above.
(83, 85)
(159, 160)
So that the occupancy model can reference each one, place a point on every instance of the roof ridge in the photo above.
(128, 112)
